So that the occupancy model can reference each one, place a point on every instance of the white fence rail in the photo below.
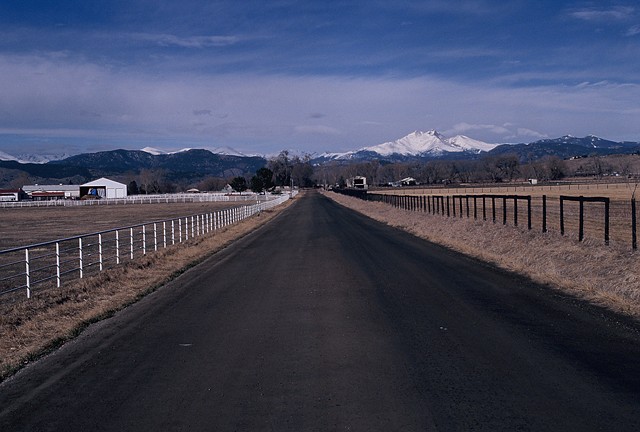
(50, 264)
(140, 199)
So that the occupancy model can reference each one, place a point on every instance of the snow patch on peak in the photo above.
(186, 149)
(227, 151)
(7, 157)
(431, 142)
(153, 151)
(470, 144)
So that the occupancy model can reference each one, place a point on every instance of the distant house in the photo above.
(104, 188)
(12, 195)
(52, 192)
(409, 181)
(358, 182)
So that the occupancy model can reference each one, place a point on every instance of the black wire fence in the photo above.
(594, 218)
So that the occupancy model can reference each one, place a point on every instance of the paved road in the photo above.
(325, 320)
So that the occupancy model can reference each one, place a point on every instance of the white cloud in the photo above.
(187, 42)
(55, 97)
(460, 128)
(617, 13)
(635, 30)
(524, 132)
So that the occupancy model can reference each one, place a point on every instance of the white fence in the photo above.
(141, 199)
(51, 263)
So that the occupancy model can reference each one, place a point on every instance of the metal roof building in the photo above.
(50, 192)
(104, 188)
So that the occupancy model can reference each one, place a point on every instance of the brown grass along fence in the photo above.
(587, 218)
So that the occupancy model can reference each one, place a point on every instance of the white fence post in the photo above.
(117, 247)
(144, 239)
(80, 253)
(27, 272)
(58, 264)
(131, 241)
(100, 250)
(155, 237)
(164, 234)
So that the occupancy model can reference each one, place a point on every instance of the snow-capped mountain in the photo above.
(226, 151)
(152, 150)
(417, 144)
(7, 157)
(32, 158)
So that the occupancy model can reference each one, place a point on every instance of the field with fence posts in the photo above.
(48, 264)
(588, 213)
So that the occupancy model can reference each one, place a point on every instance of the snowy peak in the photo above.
(153, 151)
(469, 144)
(429, 143)
(227, 151)
(7, 157)
(32, 158)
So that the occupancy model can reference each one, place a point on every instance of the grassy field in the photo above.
(620, 230)
(24, 226)
(614, 190)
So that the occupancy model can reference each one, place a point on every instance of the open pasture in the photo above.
(613, 190)
(24, 226)
(620, 208)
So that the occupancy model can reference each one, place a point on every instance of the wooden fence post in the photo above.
(634, 242)
(493, 208)
(504, 210)
(581, 226)
(484, 208)
(606, 221)
(529, 212)
(515, 211)
(544, 213)
(475, 207)
(561, 216)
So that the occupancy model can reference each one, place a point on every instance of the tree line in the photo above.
(286, 169)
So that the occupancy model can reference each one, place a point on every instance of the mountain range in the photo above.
(420, 145)
(424, 146)
(192, 165)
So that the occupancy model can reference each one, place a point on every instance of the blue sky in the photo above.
(262, 76)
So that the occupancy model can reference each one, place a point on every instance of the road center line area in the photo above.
(326, 320)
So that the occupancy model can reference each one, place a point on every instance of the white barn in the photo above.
(104, 188)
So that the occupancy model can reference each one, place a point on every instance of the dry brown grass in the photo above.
(607, 276)
(23, 226)
(29, 329)
(622, 190)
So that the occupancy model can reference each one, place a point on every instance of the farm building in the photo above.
(357, 182)
(104, 188)
(52, 192)
(12, 195)
(409, 181)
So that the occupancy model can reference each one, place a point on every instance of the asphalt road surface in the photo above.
(325, 320)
